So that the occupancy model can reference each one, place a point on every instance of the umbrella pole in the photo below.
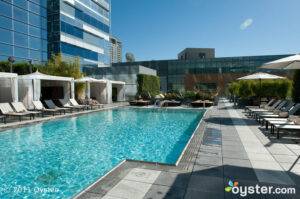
(259, 92)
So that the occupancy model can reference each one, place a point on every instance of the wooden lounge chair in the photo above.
(139, 102)
(254, 110)
(7, 110)
(201, 103)
(20, 108)
(38, 105)
(270, 111)
(73, 102)
(66, 104)
(51, 105)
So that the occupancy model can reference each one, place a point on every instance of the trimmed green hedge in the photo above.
(148, 84)
(296, 86)
(21, 68)
(269, 88)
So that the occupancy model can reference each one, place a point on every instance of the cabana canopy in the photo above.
(31, 90)
(89, 79)
(13, 85)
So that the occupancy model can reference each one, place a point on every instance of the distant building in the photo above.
(115, 50)
(196, 53)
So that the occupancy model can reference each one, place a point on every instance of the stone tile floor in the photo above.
(234, 147)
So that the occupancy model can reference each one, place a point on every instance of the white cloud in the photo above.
(246, 24)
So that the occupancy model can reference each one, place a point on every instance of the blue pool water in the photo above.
(59, 159)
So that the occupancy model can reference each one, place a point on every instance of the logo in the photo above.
(231, 185)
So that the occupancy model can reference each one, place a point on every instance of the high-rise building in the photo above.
(115, 50)
(23, 30)
(197, 53)
(80, 28)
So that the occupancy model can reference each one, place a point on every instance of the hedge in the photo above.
(267, 88)
(21, 68)
(148, 84)
(296, 86)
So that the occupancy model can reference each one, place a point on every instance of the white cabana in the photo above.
(31, 85)
(101, 89)
(8, 87)
(95, 88)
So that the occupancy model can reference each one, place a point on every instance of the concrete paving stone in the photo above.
(103, 186)
(256, 150)
(173, 179)
(269, 176)
(235, 172)
(164, 192)
(266, 165)
(192, 194)
(287, 158)
(208, 170)
(295, 168)
(231, 138)
(129, 189)
(142, 175)
(233, 147)
(291, 195)
(208, 160)
(233, 150)
(111, 197)
(213, 153)
(89, 195)
(260, 156)
(215, 148)
(235, 155)
(206, 183)
(230, 195)
(281, 152)
(296, 151)
(232, 143)
(293, 146)
(211, 142)
(237, 162)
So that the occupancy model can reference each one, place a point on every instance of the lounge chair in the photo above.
(51, 105)
(7, 110)
(66, 104)
(284, 113)
(20, 108)
(267, 105)
(256, 114)
(38, 105)
(254, 110)
(3, 117)
(289, 127)
(73, 102)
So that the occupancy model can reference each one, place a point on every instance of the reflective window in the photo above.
(6, 49)
(34, 43)
(33, 54)
(34, 8)
(21, 3)
(44, 34)
(5, 36)
(20, 27)
(34, 20)
(5, 22)
(5, 9)
(67, 28)
(77, 51)
(35, 31)
(20, 14)
(44, 44)
(20, 39)
(20, 52)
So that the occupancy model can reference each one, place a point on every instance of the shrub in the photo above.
(189, 95)
(203, 96)
(234, 88)
(21, 68)
(296, 86)
(244, 89)
(172, 96)
(283, 88)
(148, 84)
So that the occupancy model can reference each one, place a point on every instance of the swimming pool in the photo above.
(59, 159)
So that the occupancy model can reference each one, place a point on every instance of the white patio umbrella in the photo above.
(260, 76)
(287, 63)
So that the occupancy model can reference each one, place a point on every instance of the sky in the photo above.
(160, 29)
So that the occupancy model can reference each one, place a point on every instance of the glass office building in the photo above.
(23, 30)
(34, 29)
(172, 73)
(80, 28)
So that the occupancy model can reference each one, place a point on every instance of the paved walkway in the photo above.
(233, 148)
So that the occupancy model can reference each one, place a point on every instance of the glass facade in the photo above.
(173, 72)
(80, 28)
(23, 30)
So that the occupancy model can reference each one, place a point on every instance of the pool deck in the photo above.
(226, 146)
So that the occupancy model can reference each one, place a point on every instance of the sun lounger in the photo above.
(73, 102)
(267, 105)
(3, 117)
(20, 108)
(38, 105)
(7, 110)
(66, 104)
(270, 111)
(288, 127)
(254, 110)
(51, 105)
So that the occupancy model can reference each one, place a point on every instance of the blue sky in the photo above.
(160, 29)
